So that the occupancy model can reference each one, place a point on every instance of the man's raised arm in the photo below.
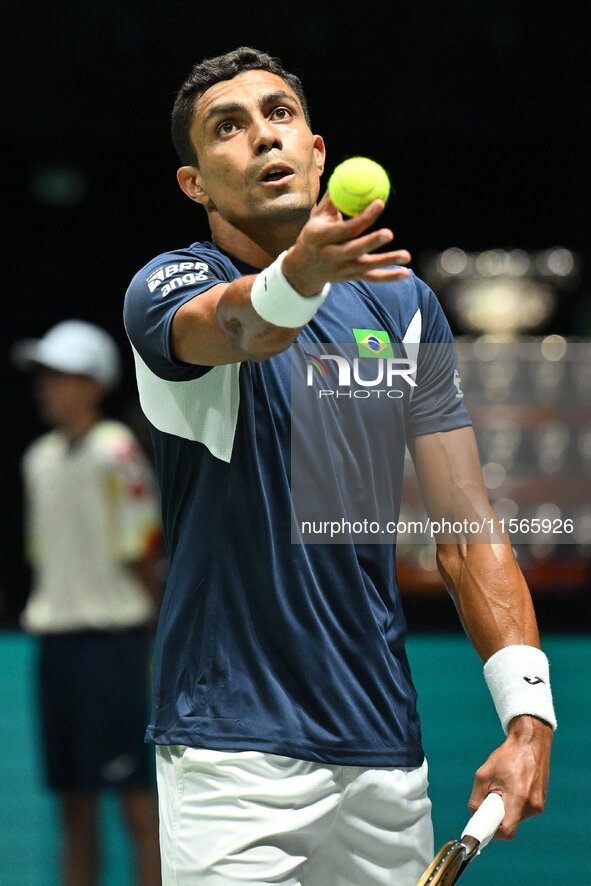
(257, 316)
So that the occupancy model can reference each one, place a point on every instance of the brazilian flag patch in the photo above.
(373, 343)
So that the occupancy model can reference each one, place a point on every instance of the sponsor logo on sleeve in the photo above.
(167, 278)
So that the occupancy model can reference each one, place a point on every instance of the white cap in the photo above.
(72, 346)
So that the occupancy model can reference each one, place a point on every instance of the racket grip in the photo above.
(486, 820)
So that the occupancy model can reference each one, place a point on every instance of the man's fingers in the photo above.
(521, 787)
(377, 275)
(376, 267)
(344, 251)
(514, 815)
(358, 223)
(368, 243)
(386, 275)
(362, 250)
(326, 206)
(371, 262)
(339, 229)
(365, 253)
(479, 793)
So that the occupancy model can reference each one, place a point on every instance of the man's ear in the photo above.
(189, 178)
(319, 153)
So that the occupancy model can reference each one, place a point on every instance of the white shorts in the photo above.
(251, 817)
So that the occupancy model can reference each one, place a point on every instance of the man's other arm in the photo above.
(495, 607)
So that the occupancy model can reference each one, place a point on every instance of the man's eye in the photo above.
(226, 127)
(281, 113)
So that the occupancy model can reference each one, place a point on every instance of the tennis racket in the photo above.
(456, 855)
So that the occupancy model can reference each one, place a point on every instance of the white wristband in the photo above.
(277, 302)
(518, 678)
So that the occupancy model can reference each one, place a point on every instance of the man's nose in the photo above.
(266, 137)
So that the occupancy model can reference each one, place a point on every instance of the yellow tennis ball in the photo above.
(356, 182)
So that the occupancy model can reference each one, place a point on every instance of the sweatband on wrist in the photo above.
(518, 678)
(277, 302)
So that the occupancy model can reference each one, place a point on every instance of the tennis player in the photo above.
(284, 714)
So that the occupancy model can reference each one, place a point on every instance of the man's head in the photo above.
(254, 164)
(77, 363)
(211, 71)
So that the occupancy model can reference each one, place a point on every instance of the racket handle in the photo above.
(486, 820)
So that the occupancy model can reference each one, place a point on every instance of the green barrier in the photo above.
(460, 728)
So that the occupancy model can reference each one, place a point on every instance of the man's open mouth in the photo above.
(276, 174)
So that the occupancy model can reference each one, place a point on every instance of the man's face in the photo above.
(258, 160)
(63, 397)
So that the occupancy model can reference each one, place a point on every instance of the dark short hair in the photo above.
(211, 71)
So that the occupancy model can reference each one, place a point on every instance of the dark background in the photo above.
(479, 109)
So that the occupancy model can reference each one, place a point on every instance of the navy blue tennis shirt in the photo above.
(263, 644)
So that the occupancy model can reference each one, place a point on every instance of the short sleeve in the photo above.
(131, 493)
(438, 402)
(154, 296)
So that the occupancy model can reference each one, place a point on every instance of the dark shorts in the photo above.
(94, 689)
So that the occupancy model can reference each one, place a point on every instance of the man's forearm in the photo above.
(496, 609)
(490, 594)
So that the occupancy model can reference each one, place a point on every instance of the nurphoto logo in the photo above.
(384, 371)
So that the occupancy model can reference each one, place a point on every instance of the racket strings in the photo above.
(446, 866)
